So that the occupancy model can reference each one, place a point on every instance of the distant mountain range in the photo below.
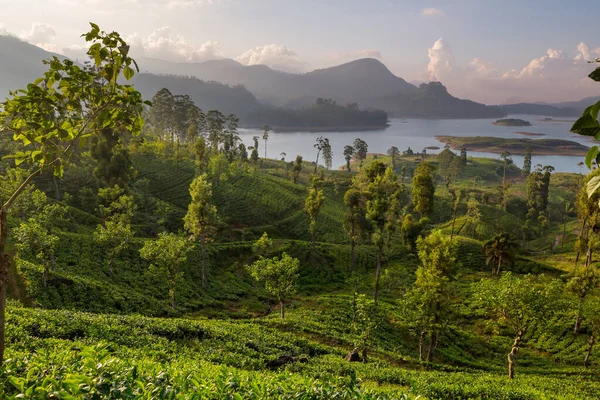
(565, 109)
(231, 87)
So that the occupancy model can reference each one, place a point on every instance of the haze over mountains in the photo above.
(231, 87)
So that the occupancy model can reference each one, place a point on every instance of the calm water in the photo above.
(418, 134)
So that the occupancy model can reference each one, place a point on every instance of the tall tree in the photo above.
(312, 206)
(52, 116)
(266, 137)
(296, 168)
(423, 189)
(506, 158)
(500, 250)
(581, 285)
(354, 220)
(279, 275)
(167, 253)
(428, 301)
(214, 125)
(394, 153)
(254, 154)
(35, 240)
(327, 155)
(520, 303)
(360, 150)
(526, 162)
(348, 154)
(201, 219)
(382, 193)
(457, 196)
(324, 147)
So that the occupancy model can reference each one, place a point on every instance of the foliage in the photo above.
(423, 189)
(279, 275)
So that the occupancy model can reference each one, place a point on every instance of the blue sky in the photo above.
(298, 36)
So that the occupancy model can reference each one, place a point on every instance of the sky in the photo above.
(485, 50)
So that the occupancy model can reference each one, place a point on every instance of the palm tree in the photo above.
(500, 250)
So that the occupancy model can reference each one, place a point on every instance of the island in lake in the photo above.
(515, 146)
(529, 133)
(512, 122)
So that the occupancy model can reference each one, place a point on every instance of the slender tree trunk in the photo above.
(352, 251)
(512, 356)
(364, 355)
(562, 240)
(4, 265)
(421, 344)
(499, 266)
(56, 189)
(378, 273)
(588, 353)
(454, 212)
(282, 309)
(203, 245)
(577, 326)
(265, 149)
(317, 162)
(432, 344)
(172, 291)
(583, 225)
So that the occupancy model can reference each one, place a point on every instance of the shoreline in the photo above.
(312, 129)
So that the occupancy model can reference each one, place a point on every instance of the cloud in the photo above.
(276, 56)
(164, 44)
(441, 60)
(553, 76)
(432, 12)
(41, 35)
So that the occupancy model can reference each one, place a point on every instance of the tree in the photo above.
(265, 137)
(526, 163)
(348, 154)
(114, 234)
(323, 145)
(279, 276)
(167, 253)
(364, 324)
(520, 303)
(394, 153)
(500, 250)
(360, 150)
(382, 200)
(296, 168)
(327, 155)
(263, 245)
(581, 284)
(507, 160)
(427, 304)
(54, 115)
(201, 219)
(35, 240)
(215, 126)
(592, 315)
(354, 220)
(456, 199)
(254, 154)
(312, 206)
(114, 166)
(445, 159)
(423, 189)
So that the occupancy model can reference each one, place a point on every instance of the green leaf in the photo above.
(593, 185)
(595, 74)
(128, 72)
(591, 155)
(586, 125)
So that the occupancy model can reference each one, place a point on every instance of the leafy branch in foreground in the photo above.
(60, 111)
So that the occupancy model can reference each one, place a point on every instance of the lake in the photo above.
(418, 134)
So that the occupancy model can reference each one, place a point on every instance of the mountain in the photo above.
(356, 81)
(564, 109)
(432, 100)
(21, 63)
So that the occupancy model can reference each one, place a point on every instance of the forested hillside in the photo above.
(151, 254)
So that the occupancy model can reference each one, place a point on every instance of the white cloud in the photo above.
(432, 12)
(275, 56)
(164, 44)
(554, 76)
(441, 60)
(41, 35)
